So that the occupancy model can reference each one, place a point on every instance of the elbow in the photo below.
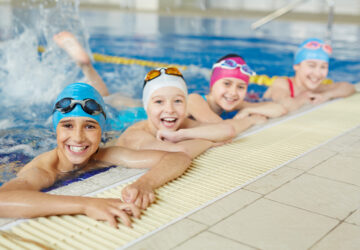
(231, 132)
(283, 111)
(185, 158)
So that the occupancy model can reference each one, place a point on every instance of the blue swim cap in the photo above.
(80, 91)
(313, 48)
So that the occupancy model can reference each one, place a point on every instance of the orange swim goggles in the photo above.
(157, 72)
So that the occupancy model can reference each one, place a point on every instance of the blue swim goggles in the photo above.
(231, 64)
(90, 106)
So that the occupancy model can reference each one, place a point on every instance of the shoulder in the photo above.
(40, 173)
(195, 98)
(135, 136)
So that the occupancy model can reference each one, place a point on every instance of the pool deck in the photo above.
(312, 202)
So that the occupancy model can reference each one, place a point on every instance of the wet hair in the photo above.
(229, 56)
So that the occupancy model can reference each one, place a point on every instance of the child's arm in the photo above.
(21, 198)
(216, 132)
(243, 124)
(267, 109)
(199, 109)
(164, 167)
(330, 91)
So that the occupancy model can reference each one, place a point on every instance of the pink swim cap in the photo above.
(234, 67)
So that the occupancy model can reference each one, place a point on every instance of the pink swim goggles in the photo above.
(231, 68)
(317, 45)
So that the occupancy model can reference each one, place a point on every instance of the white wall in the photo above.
(347, 7)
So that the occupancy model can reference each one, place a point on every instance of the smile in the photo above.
(168, 121)
(77, 149)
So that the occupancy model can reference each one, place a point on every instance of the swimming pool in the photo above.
(26, 96)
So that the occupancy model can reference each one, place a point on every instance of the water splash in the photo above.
(30, 80)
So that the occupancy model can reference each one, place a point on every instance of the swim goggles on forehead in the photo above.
(316, 45)
(157, 72)
(90, 106)
(231, 64)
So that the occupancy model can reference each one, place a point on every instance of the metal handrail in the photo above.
(276, 14)
(289, 8)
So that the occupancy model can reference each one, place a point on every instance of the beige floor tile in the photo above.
(170, 236)
(340, 167)
(270, 225)
(341, 143)
(311, 159)
(353, 151)
(354, 218)
(355, 132)
(273, 180)
(210, 241)
(320, 195)
(224, 207)
(345, 236)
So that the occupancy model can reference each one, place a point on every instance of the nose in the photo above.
(78, 134)
(232, 90)
(169, 107)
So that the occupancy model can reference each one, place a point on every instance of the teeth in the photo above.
(77, 149)
(169, 119)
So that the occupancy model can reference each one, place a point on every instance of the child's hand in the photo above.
(165, 135)
(109, 210)
(258, 119)
(241, 114)
(317, 98)
(140, 194)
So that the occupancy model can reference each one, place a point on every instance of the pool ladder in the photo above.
(289, 7)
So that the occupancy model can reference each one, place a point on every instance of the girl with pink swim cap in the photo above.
(228, 85)
(311, 65)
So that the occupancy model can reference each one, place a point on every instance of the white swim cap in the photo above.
(165, 79)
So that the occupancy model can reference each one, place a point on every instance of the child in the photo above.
(168, 127)
(73, 48)
(79, 118)
(228, 85)
(311, 67)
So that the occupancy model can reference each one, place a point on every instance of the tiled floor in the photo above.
(312, 202)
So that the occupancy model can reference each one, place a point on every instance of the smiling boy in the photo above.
(79, 121)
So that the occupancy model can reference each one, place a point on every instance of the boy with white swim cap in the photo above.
(168, 127)
(79, 120)
(311, 65)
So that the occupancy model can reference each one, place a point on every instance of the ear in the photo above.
(296, 67)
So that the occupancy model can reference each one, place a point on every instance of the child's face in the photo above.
(311, 72)
(167, 108)
(229, 93)
(78, 138)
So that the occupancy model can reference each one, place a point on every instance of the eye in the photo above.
(67, 125)
(241, 87)
(178, 100)
(226, 83)
(158, 101)
(90, 126)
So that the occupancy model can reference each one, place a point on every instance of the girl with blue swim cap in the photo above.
(79, 119)
(311, 66)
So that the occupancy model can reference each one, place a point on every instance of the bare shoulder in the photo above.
(278, 90)
(194, 97)
(134, 136)
(190, 123)
(41, 172)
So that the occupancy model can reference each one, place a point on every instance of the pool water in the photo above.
(26, 97)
